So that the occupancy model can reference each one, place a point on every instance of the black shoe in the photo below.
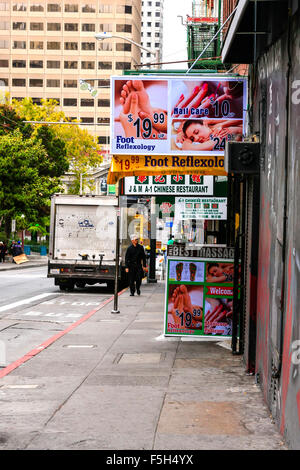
(131, 295)
(138, 292)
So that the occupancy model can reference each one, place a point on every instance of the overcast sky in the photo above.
(174, 33)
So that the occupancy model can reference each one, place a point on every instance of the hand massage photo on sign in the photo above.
(140, 109)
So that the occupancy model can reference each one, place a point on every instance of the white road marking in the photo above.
(24, 301)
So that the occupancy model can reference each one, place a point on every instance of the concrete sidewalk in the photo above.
(115, 383)
(33, 262)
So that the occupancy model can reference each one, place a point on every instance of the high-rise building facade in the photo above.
(152, 30)
(48, 46)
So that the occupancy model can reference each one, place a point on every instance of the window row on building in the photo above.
(66, 27)
(67, 64)
(56, 7)
(66, 45)
(50, 82)
(83, 102)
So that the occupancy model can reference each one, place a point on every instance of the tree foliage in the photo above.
(82, 150)
(24, 186)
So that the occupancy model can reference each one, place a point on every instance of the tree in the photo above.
(82, 150)
(25, 188)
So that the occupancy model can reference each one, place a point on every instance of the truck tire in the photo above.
(110, 285)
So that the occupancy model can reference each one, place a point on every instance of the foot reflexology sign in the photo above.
(199, 297)
(175, 117)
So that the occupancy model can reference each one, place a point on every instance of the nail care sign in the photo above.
(176, 116)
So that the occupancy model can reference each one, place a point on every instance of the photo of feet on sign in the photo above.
(185, 308)
(140, 109)
(186, 271)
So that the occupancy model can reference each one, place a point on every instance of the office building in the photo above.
(152, 30)
(47, 46)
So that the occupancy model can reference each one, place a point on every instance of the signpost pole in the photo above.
(152, 278)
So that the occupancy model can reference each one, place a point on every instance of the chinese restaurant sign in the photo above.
(176, 115)
(212, 208)
(173, 185)
(199, 297)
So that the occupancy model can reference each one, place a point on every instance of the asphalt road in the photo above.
(33, 309)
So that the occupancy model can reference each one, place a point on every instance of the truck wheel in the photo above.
(62, 287)
(110, 285)
(80, 284)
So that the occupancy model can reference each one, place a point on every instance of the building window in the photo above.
(19, 25)
(103, 139)
(53, 83)
(36, 45)
(71, 8)
(71, 26)
(19, 7)
(86, 120)
(36, 82)
(53, 45)
(70, 64)
(87, 65)
(87, 102)
(104, 65)
(70, 83)
(88, 8)
(124, 9)
(123, 65)
(53, 64)
(71, 46)
(105, 46)
(124, 28)
(104, 103)
(157, 14)
(3, 81)
(4, 25)
(157, 25)
(106, 27)
(105, 8)
(123, 46)
(103, 120)
(88, 27)
(36, 26)
(37, 101)
(4, 6)
(19, 64)
(70, 102)
(36, 7)
(53, 7)
(36, 64)
(19, 82)
(104, 83)
(3, 63)
(88, 46)
(19, 45)
(4, 44)
(53, 27)
(54, 99)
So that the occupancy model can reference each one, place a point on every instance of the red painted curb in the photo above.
(14, 365)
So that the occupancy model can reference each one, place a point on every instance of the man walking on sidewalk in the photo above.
(134, 258)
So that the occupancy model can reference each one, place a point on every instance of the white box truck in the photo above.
(82, 244)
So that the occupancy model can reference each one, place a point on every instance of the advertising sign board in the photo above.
(176, 115)
(199, 297)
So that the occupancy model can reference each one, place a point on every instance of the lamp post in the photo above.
(104, 35)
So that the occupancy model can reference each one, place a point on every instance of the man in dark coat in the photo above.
(135, 265)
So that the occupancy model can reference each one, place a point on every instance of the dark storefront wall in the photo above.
(275, 114)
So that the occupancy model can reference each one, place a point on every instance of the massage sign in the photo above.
(199, 296)
(176, 117)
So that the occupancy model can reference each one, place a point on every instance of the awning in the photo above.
(146, 165)
(253, 26)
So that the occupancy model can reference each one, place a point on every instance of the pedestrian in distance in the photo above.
(3, 251)
(135, 265)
